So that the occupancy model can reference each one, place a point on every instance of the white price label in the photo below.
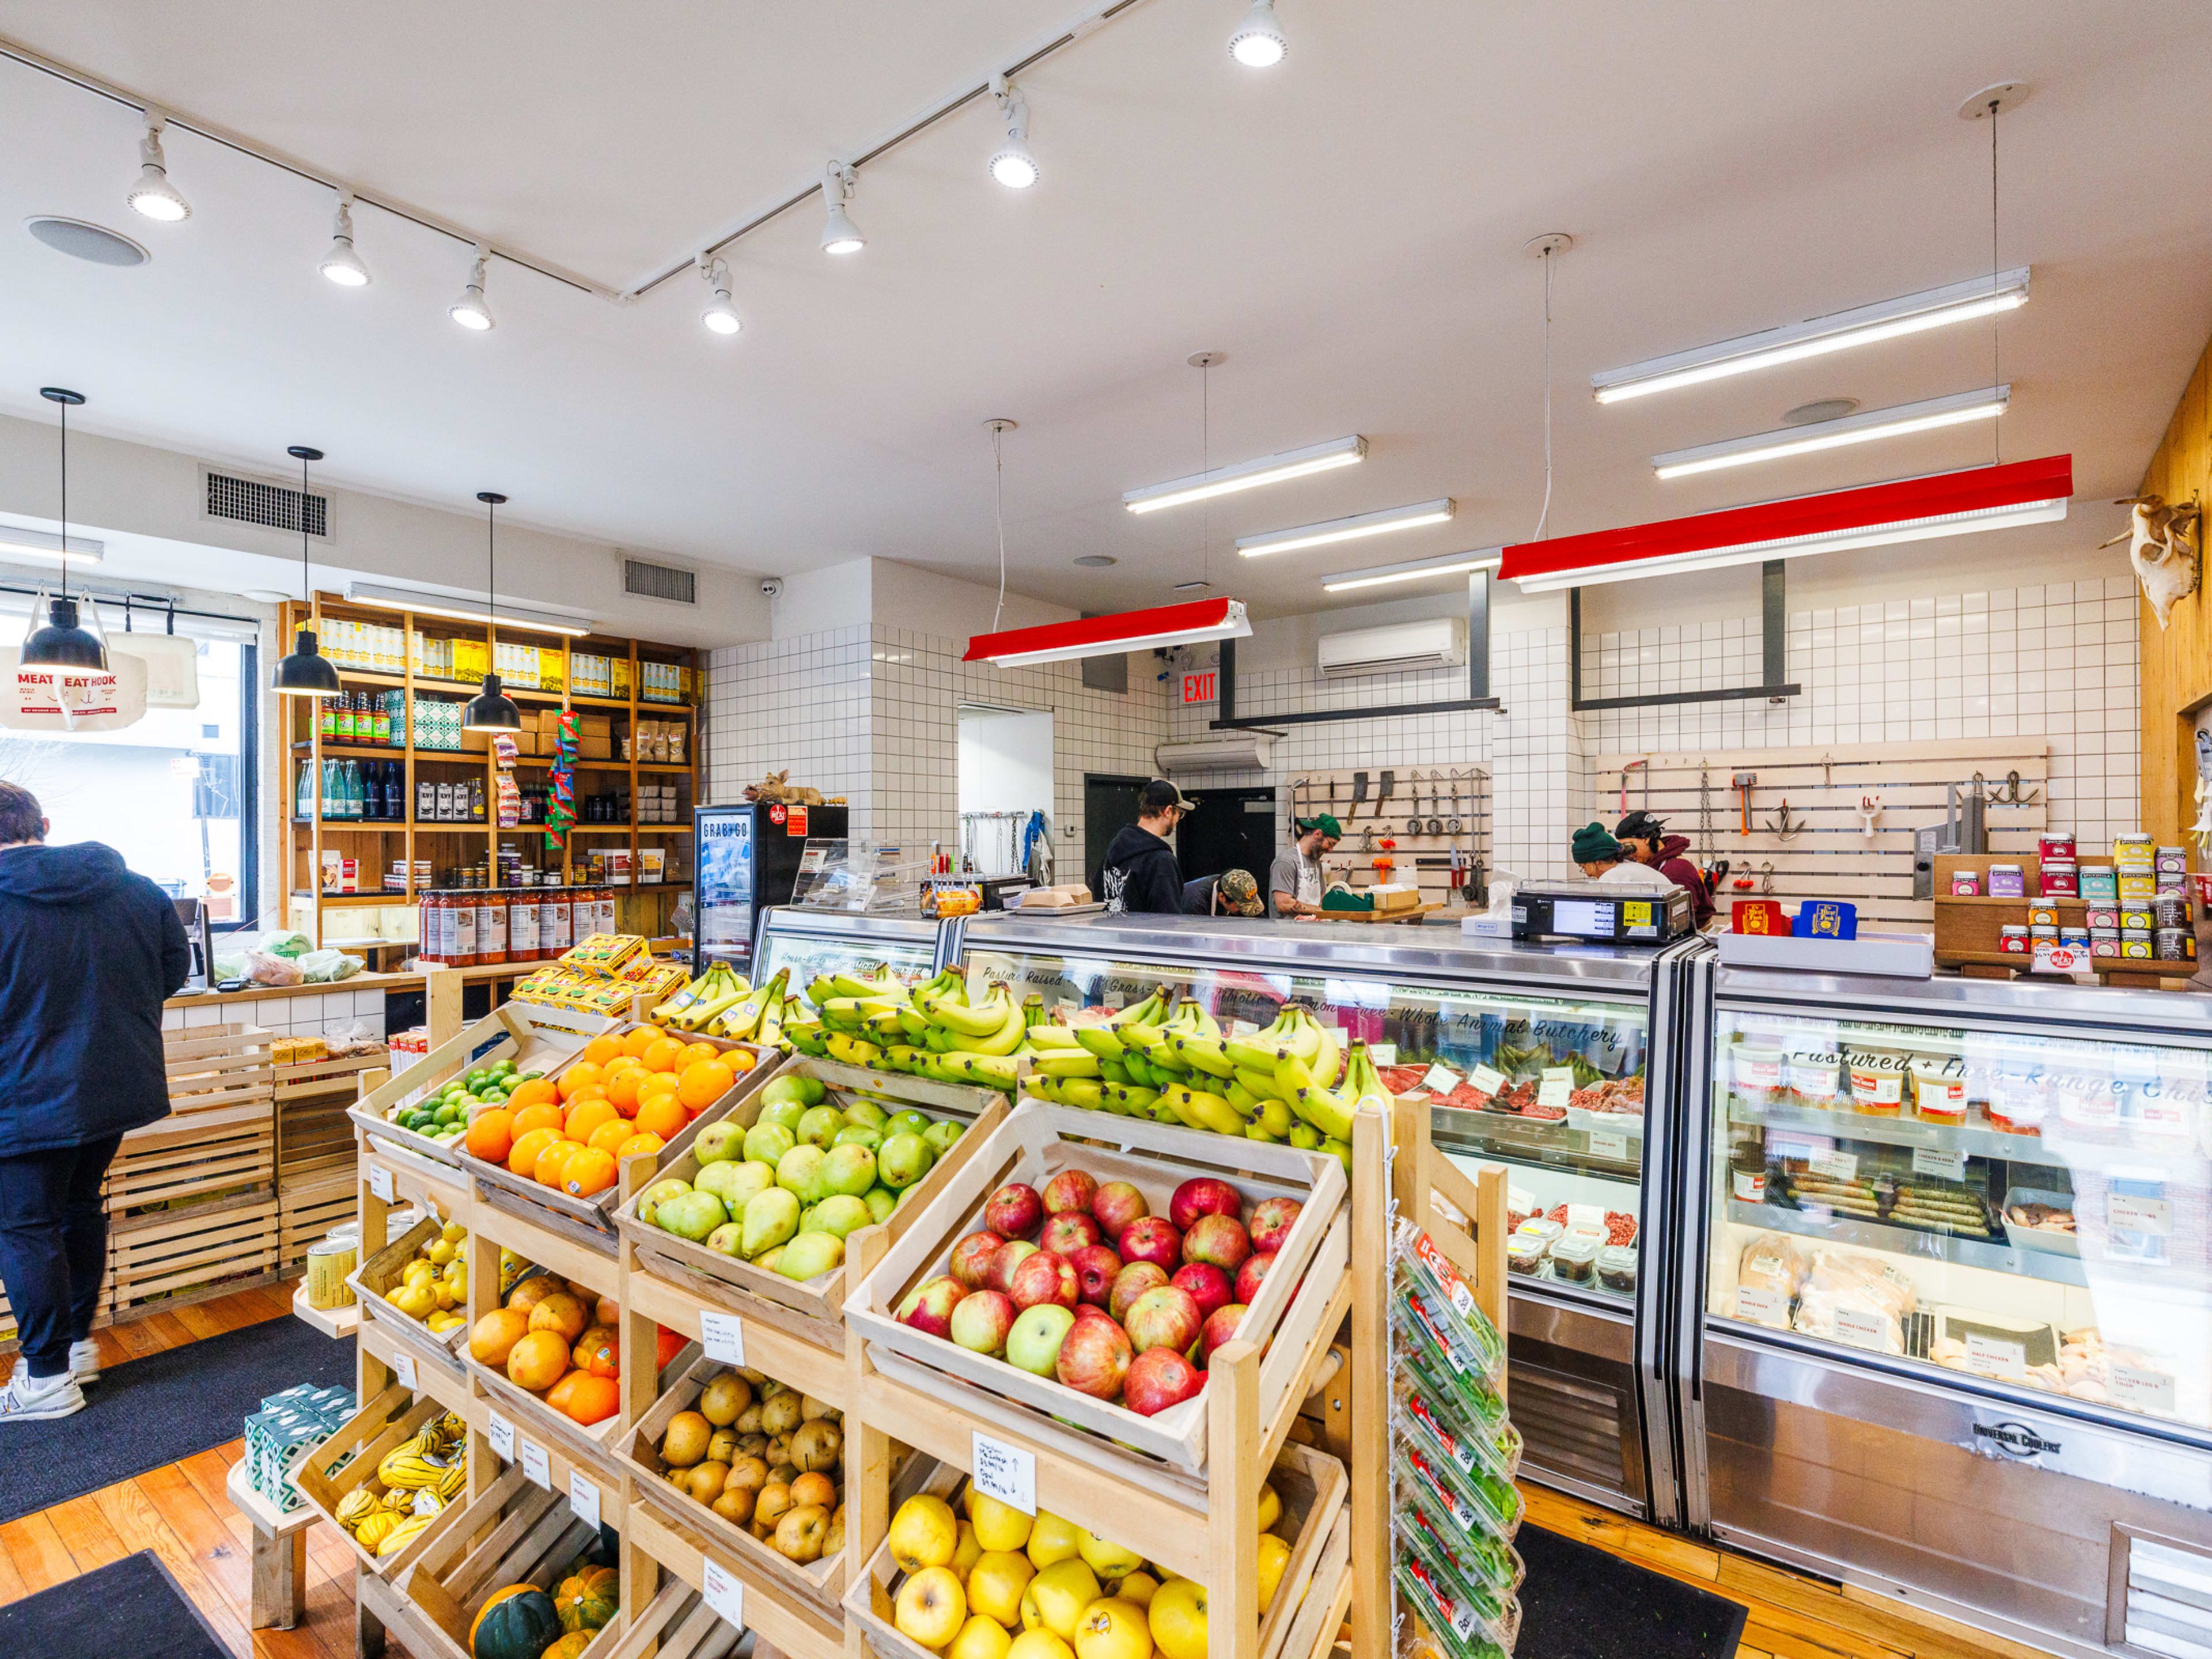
(1762, 1306)
(1115, 1000)
(1440, 1079)
(1557, 1084)
(426, 1504)
(1862, 1329)
(584, 1500)
(723, 1336)
(1241, 1027)
(1945, 1166)
(1992, 1356)
(1836, 1166)
(2141, 1390)
(535, 1468)
(1486, 1080)
(403, 1367)
(723, 1593)
(1006, 1472)
(1382, 1053)
(2129, 1214)
(1605, 1143)
(2061, 959)
(501, 1433)
(380, 1182)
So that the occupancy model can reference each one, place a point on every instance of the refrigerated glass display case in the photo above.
(1948, 1327)
(813, 943)
(1532, 1058)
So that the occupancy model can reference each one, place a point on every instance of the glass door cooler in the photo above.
(1532, 1058)
(1947, 1324)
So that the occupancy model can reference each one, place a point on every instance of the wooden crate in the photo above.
(226, 1153)
(313, 1136)
(811, 1311)
(595, 1445)
(165, 1255)
(512, 1534)
(1036, 1142)
(348, 1460)
(677, 1624)
(373, 1277)
(307, 1211)
(1311, 1485)
(328, 1076)
(214, 1065)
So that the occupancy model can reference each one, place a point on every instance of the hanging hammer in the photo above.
(1742, 781)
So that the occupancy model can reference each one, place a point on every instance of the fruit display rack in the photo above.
(1310, 1407)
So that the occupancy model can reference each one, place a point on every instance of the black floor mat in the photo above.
(128, 1605)
(1579, 1602)
(162, 1409)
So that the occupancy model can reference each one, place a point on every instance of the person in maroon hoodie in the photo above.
(1645, 839)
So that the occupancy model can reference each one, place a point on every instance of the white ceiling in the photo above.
(1347, 227)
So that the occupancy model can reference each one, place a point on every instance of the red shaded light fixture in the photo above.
(1905, 510)
(1190, 624)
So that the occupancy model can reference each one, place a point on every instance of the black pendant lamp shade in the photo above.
(62, 642)
(307, 672)
(491, 709)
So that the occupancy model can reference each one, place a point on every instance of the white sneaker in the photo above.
(84, 1361)
(22, 1401)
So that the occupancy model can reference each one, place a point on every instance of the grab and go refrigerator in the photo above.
(1530, 1057)
(1946, 1320)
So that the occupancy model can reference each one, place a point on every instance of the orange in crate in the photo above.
(491, 1135)
(522, 1157)
(542, 1115)
(609, 1136)
(588, 1115)
(552, 1166)
(583, 1075)
(662, 1115)
(639, 1040)
(693, 1054)
(705, 1082)
(534, 1092)
(638, 1143)
(583, 1398)
(588, 1172)
(623, 1091)
(601, 1049)
(662, 1055)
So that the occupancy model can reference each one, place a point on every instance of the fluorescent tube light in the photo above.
(1248, 475)
(1452, 564)
(1960, 302)
(441, 605)
(44, 545)
(1346, 530)
(1192, 622)
(1894, 423)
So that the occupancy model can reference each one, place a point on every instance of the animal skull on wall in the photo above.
(2162, 546)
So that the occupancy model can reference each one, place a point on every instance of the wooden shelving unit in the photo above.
(642, 908)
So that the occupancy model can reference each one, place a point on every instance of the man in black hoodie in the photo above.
(88, 952)
(1141, 875)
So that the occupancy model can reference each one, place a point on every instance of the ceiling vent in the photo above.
(661, 581)
(271, 505)
(1396, 648)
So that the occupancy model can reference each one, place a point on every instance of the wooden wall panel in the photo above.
(2177, 662)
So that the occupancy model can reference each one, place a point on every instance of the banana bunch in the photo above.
(743, 1016)
(702, 999)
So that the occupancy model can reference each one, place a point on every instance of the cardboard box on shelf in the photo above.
(475, 742)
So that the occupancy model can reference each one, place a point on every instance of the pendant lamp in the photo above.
(307, 672)
(62, 642)
(491, 709)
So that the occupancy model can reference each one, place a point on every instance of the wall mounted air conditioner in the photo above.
(1396, 648)
(1224, 752)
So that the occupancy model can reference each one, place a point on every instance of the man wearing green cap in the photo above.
(1601, 860)
(1295, 881)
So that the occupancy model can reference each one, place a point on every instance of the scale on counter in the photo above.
(1593, 910)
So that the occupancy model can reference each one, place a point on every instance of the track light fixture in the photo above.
(1259, 41)
(1013, 165)
(154, 195)
(839, 234)
(342, 264)
(720, 315)
(469, 311)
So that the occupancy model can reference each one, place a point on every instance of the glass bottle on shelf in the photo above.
(326, 717)
(491, 926)
(303, 790)
(464, 930)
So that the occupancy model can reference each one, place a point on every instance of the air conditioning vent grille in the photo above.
(660, 581)
(244, 500)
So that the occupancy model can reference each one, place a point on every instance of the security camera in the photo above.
(771, 585)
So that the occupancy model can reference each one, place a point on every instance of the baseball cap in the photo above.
(1159, 795)
(1641, 824)
(1324, 822)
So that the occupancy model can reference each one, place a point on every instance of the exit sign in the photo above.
(1198, 688)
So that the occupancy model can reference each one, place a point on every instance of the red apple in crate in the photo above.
(1096, 1267)
(971, 1259)
(1131, 1282)
(1201, 1195)
(1208, 1286)
(1014, 1210)
(1068, 1231)
(1094, 1357)
(1220, 1327)
(1009, 1256)
(929, 1307)
(1219, 1239)
(1159, 1378)
(1153, 1238)
(981, 1321)
(1117, 1204)
(1252, 1275)
(1041, 1277)
(1167, 1317)
(1091, 1310)
(1271, 1223)
(1069, 1191)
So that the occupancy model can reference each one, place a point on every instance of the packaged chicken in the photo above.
(1851, 1300)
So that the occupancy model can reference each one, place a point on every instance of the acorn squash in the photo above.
(587, 1599)
(517, 1622)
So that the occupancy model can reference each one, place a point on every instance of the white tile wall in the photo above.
(799, 703)
(327, 1013)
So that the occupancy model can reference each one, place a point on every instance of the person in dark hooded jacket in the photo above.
(87, 953)
(1140, 875)
(1648, 843)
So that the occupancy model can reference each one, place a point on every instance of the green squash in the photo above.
(519, 1622)
(587, 1600)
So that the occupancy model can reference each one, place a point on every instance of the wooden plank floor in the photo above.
(181, 1513)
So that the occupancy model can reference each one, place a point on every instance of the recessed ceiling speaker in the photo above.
(83, 240)
(1827, 409)
(1094, 561)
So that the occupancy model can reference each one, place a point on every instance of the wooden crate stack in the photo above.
(315, 1155)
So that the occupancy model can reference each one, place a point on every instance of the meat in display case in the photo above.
(1532, 1058)
(1953, 1327)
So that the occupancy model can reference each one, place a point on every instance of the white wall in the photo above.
(1005, 765)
